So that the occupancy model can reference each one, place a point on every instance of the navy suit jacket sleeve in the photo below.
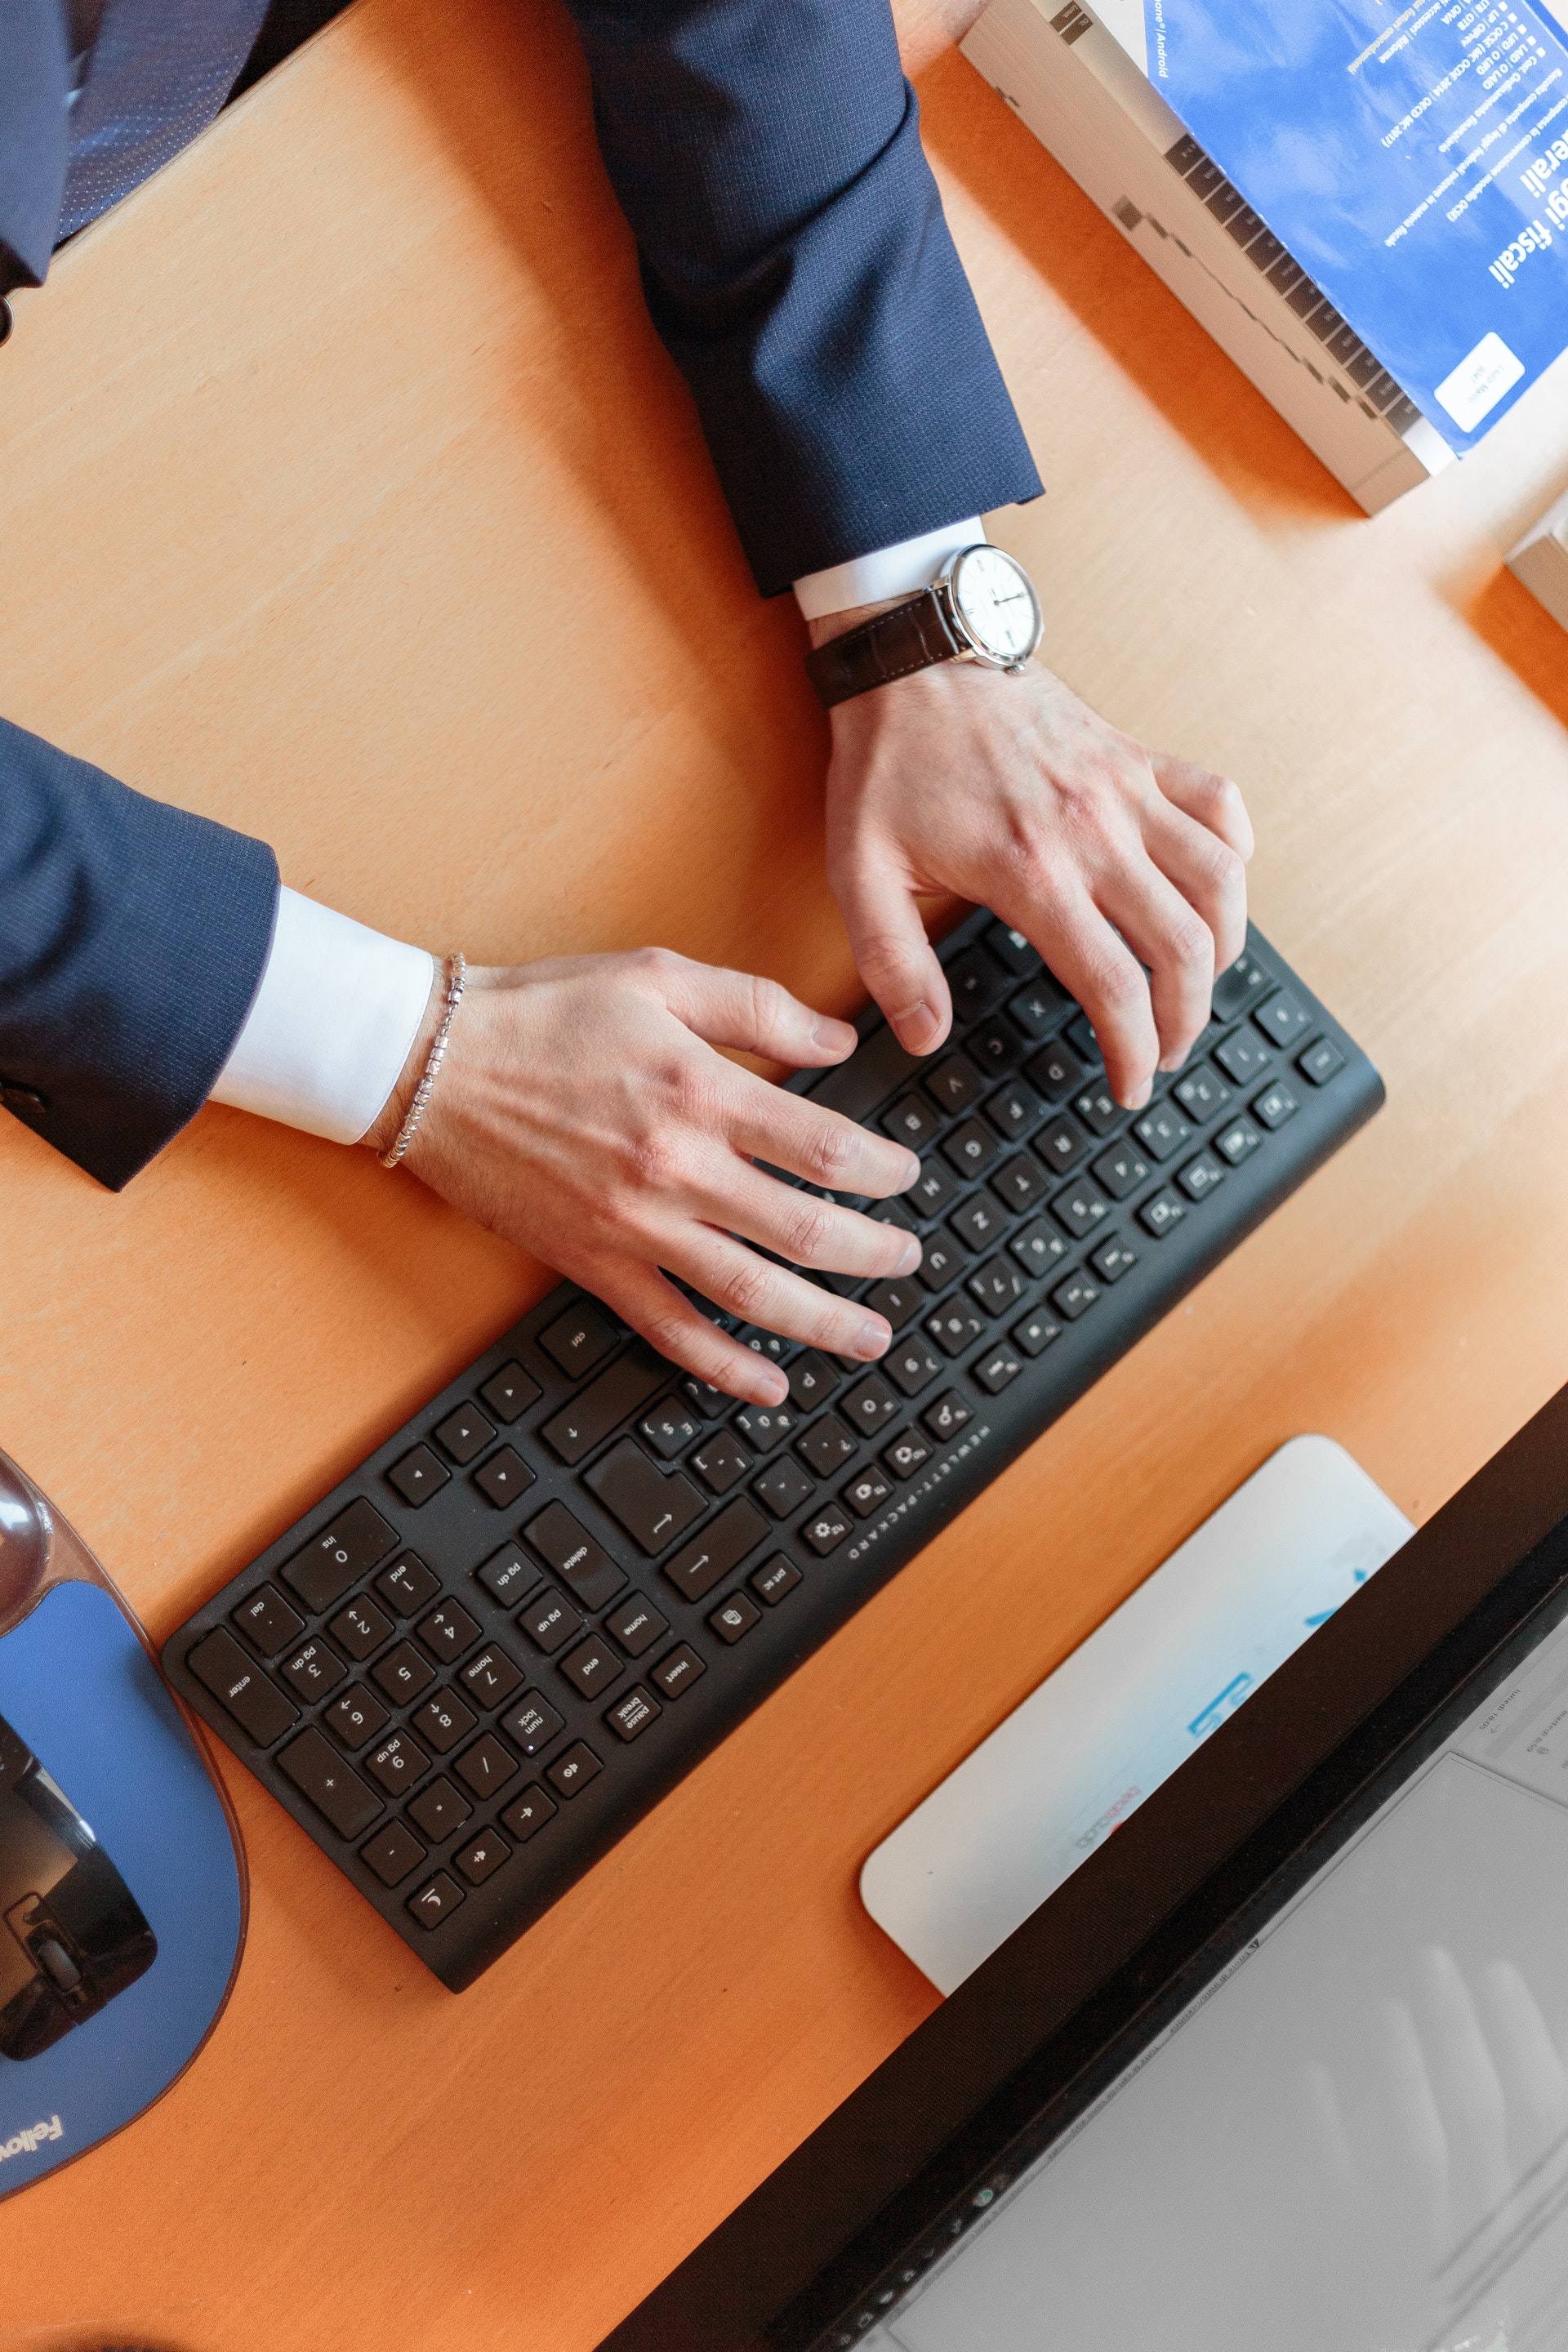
(797, 264)
(133, 937)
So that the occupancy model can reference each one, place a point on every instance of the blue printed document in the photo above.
(1414, 158)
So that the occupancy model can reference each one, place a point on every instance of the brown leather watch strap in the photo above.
(910, 637)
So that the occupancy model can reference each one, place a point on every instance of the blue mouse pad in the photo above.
(122, 1902)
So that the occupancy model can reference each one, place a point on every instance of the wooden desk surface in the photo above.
(347, 496)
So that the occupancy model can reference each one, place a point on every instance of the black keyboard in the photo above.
(502, 1640)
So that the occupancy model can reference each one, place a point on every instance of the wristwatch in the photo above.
(981, 607)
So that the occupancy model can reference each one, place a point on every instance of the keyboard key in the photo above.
(1037, 1249)
(532, 1723)
(944, 1260)
(238, 1684)
(360, 1628)
(1040, 1008)
(1013, 1110)
(487, 1766)
(604, 1403)
(1163, 1130)
(906, 1454)
(419, 1475)
(911, 1121)
(313, 1671)
(955, 1327)
(1056, 1071)
(548, 1621)
(491, 1679)
(394, 1853)
(528, 1813)
(398, 1763)
(1162, 1214)
(970, 1148)
(827, 1530)
(437, 1901)
(403, 1673)
(899, 1300)
(1281, 1018)
(723, 1545)
(441, 1810)
(947, 1416)
(1098, 1108)
(994, 1047)
(783, 1489)
(733, 1619)
(346, 1549)
(335, 1790)
(1201, 1093)
(676, 1670)
(509, 1392)
(1245, 983)
(573, 1769)
(408, 1585)
(668, 1430)
(1062, 1143)
(763, 1426)
(868, 1493)
(654, 1505)
(578, 1339)
(1018, 1185)
(1080, 1036)
(356, 1718)
(1200, 1176)
(772, 1344)
(442, 1721)
(1121, 1169)
(976, 982)
(911, 1366)
(507, 1574)
(1011, 948)
(1035, 1332)
(503, 1477)
(1081, 1210)
(721, 1463)
(812, 1379)
(1321, 1062)
(870, 1405)
(464, 1434)
(878, 1068)
(631, 1715)
(1074, 1297)
(1275, 1104)
(827, 1446)
(1113, 1258)
(1239, 1140)
(933, 1189)
(775, 1578)
(996, 1285)
(636, 1624)
(1243, 1057)
(483, 1858)
(892, 1212)
(979, 1223)
(267, 1623)
(448, 1632)
(592, 1665)
(995, 1369)
(954, 1084)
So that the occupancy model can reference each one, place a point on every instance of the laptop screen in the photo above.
(1356, 2134)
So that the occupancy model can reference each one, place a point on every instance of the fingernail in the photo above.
(1172, 1062)
(833, 1036)
(914, 1174)
(776, 1385)
(1142, 1097)
(910, 1258)
(871, 1340)
(918, 1019)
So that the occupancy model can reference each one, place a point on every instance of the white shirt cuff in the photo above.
(898, 570)
(336, 1012)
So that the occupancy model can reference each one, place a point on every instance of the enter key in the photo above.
(652, 1504)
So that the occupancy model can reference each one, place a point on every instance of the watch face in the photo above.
(995, 604)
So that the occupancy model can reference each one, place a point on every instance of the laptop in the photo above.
(1284, 2062)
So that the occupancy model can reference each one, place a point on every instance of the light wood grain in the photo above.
(348, 496)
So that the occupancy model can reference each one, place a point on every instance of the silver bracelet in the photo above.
(456, 968)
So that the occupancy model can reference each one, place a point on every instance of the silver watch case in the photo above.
(971, 646)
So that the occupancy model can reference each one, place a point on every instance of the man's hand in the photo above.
(583, 1113)
(1012, 792)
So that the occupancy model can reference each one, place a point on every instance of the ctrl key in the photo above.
(337, 1792)
(437, 1900)
(240, 1688)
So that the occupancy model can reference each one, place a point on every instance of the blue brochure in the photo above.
(1415, 160)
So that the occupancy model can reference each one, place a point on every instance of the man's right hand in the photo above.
(583, 1113)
